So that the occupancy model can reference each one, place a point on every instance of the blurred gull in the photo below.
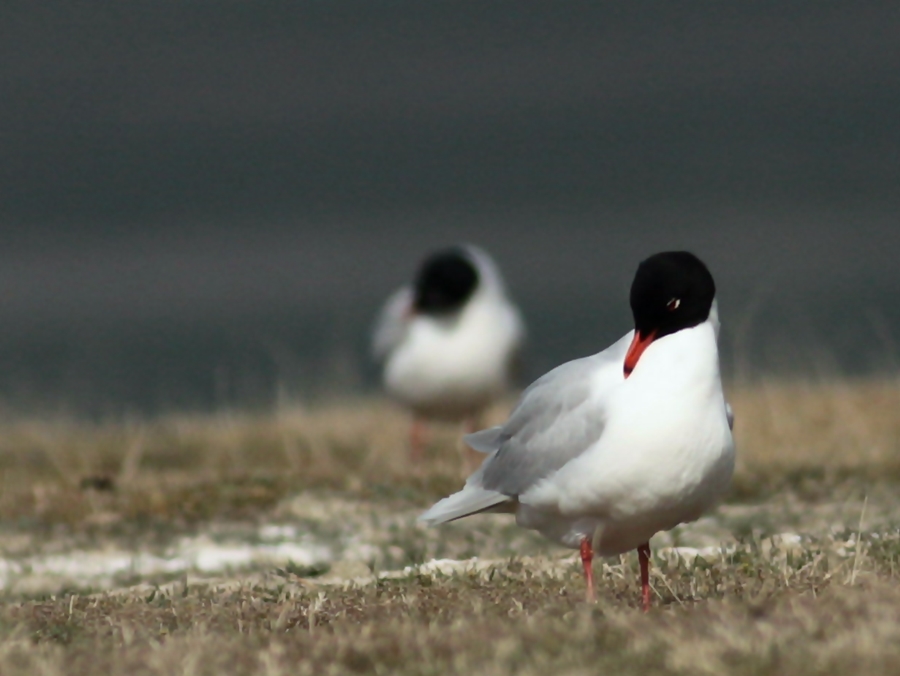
(449, 341)
(603, 452)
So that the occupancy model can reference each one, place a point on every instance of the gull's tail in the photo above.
(466, 502)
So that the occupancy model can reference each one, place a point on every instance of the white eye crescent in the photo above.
(673, 304)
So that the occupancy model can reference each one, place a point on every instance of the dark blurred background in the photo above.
(202, 204)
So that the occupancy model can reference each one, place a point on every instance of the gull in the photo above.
(603, 452)
(448, 342)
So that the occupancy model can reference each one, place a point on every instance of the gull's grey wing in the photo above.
(558, 418)
(486, 441)
(390, 326)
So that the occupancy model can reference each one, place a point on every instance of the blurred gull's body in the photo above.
(449, 342)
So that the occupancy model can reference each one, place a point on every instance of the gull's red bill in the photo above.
(636, 349)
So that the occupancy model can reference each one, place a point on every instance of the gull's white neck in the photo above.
(686, 358)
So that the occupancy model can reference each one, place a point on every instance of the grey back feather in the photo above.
(390, 325)
(558, 418)
(485, 441)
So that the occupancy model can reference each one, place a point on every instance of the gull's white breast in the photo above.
(451, 367)
(665, 456)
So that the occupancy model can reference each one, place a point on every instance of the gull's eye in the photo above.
(673, 304)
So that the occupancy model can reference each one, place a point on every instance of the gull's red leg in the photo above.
(644, 558)
(587, 557)
(416, 441)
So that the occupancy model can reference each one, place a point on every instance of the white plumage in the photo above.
(592, 456)
(450, 364)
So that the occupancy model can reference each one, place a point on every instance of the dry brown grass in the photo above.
(201, 467)
(789, 435)
(808, 456)
(752, 612)
(814, 436)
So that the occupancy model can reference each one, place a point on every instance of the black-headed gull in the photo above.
(603, 452)
(449, 341)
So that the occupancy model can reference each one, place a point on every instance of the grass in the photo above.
(198, 468)
(750, 612)
(791, 436)
(810, 436)
(818, 460)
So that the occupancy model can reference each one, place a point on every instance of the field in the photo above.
(286, 543)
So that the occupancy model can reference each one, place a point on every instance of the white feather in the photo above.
(590, 454)
(451, 367)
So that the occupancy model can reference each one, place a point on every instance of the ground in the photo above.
(287, 542)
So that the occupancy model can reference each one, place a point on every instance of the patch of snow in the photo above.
(100, 568)
(444, 566)
(278, 532)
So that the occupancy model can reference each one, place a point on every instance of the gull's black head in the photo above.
(445, 281)
(671, 291)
